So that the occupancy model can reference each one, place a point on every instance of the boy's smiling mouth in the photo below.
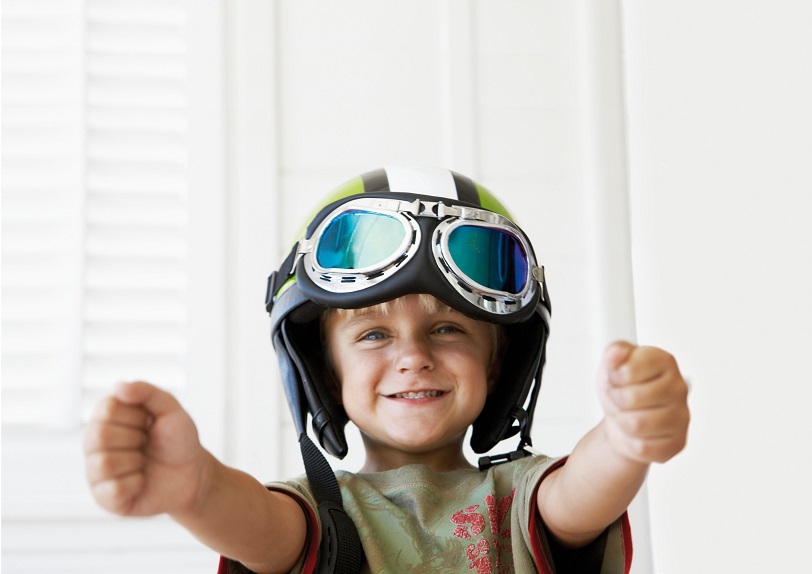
(417, 394)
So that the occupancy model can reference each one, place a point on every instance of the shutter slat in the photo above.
(158, 120)
(95, 183)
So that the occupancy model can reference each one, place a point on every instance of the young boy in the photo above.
(414, 308)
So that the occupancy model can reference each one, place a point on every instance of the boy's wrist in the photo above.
(622, 453)
(200, 495)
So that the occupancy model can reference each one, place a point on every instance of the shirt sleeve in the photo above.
(610, 553)
(307, 561)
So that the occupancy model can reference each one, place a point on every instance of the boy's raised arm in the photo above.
(644, 399)
(143, 457)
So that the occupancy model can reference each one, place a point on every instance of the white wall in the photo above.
(720, 116)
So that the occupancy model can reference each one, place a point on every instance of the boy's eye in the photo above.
(447, 329)
(373, 336)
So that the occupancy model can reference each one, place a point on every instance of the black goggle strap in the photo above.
(278, 278)
(340, 548)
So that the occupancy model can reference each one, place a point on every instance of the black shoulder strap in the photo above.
(340, 549)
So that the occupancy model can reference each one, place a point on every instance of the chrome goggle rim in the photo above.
(339, 280)
(487, 298)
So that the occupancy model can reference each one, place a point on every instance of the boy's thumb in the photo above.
(156, 401)
(617, 353)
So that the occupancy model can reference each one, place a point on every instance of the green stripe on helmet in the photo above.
(285, 286)
(489, 202)
(355, 186)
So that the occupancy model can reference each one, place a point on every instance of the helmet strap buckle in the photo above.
(523, 449)
(486, 462)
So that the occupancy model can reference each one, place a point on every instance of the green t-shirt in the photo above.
(419, 521)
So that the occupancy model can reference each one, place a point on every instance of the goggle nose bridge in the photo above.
(441, 210)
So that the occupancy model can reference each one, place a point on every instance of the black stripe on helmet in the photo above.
(466, 189)
(375, 181)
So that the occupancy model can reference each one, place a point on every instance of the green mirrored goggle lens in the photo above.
(358, 239)
(491, 257)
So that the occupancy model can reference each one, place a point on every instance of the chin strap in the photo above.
(523, 449)
(340, 550)
(525, 446)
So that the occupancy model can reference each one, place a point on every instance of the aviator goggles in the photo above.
(482, 255)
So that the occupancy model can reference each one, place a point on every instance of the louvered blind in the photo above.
(95, 194)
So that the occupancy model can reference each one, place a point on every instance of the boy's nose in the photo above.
(414, 355)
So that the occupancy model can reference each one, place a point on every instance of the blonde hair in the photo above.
(426, 302)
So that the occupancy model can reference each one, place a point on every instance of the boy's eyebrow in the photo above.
(362, 315)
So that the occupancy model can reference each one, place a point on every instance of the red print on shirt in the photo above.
(471, 524)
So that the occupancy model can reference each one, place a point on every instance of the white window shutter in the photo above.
(95, 202)
(112, 209)
(137, 187)
(43, 201)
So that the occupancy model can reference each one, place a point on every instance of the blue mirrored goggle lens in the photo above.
(357, 239)
(493, 258)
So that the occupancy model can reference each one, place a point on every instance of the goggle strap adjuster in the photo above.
(486, 462)
(522, 450)
(278, 278)
(270, 291)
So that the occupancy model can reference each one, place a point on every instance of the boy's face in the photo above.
(412, 380)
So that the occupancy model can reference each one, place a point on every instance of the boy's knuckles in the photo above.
(667, 451)
(126, 490)
(679, 443)
(634, 424)
(679, 388)
(97, 467)
(106, 465)
(628, 398)
(90, 438)
(655, 422)
(116, 495)
(112, 409)
(657, 450)
(647, 363)
(646, 450)
(104, 409)
(655, 355)
(639, 449)
(104, 435)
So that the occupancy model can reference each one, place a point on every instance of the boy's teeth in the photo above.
(418, 394)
